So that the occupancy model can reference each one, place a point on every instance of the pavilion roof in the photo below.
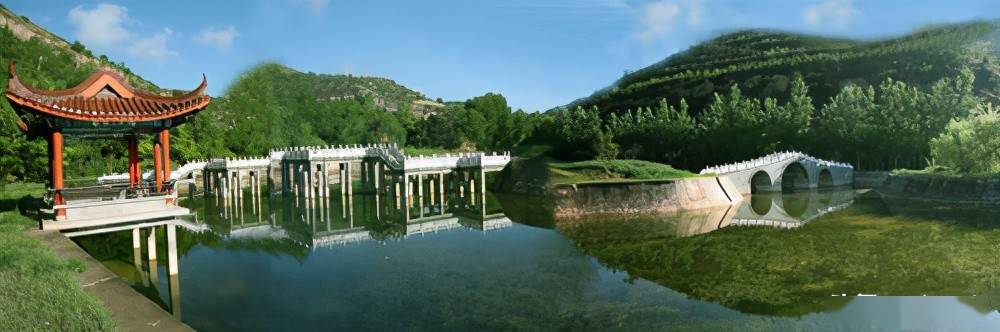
(105, 97)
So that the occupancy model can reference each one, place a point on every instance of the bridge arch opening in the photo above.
(794, 177)
(761, 204)
(796, 204)
(760, 182)
(825, 178)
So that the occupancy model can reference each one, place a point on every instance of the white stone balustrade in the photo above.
(776, 157)
(390, 154)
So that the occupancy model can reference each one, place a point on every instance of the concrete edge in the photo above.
(130, 309)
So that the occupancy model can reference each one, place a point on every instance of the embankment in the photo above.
(615, 197)
(969, 191)
(591, 199)
(870, 179)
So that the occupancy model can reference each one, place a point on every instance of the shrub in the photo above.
(972, 144)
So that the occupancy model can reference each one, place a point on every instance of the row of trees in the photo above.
(883, 127)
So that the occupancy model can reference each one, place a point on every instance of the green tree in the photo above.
(972, 144)
(845, 125)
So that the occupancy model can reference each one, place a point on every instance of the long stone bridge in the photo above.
(784, 170)
(314, 165)
(311, 171)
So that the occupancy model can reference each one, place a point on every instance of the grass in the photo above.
(944, 173)
(37, 289)
(532, 150)
(603, 171)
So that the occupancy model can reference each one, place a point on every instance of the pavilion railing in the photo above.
(110, 192)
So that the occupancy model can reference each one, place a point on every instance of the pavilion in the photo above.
(105, 105)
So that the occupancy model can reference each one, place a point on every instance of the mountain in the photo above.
(272, 106)
(48, 61)
(386, 93)
(43, 56)
(763, 62)
(267, 107)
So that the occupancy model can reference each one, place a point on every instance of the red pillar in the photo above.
(165, 149)
(57, 171)
(157, 166)
(134, 172)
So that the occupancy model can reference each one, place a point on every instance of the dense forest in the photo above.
(763, 63)
(886, 126)
(879, 105)
(272, 106)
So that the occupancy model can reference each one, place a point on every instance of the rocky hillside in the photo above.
(58, 50)
(386, 93)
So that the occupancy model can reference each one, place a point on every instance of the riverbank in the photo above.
(939, 188)
(38, 290)
(48, 283)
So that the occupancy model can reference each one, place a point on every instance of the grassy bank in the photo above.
(590, 171)
(943, 173)
(37, 289)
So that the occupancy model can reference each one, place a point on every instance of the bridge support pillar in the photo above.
(441, 189)
(350, 185)
(171, 250)
(378, 178)
(151, 249)
(286, 173)
(406, 191)
(310, 182)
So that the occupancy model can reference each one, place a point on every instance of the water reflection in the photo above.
(382, 261)
(335, 217)
(145, 271)
(772, 256)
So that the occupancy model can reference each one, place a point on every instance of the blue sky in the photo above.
(539, 54)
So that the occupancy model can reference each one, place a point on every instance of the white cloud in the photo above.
(153, 47)
(696, 13)
(316, 7)
(219, 37)
(835, 13)
(658, 19)
(101, 25)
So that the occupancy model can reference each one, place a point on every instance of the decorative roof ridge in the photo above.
(94, 78)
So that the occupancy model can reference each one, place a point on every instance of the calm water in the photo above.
(776, 262)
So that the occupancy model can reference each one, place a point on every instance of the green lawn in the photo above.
(37, 289)
(592, 171)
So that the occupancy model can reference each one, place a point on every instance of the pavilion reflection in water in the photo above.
(145, 260)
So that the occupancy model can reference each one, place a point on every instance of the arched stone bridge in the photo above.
(784, 170)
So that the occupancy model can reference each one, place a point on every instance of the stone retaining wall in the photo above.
(571, 201)
(935, 189)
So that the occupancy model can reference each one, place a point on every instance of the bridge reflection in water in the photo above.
(777, 210)
(296, 223)
(316, 221)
